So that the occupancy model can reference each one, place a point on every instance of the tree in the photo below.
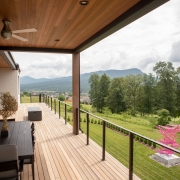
(177, 91)
(103, 91)
(115, 100)
(166, 74)
(131, 86)
(94, 90)
(164, 117)
(61, 97)
(146, 97)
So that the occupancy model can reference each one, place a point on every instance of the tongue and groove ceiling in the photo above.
(65, 26)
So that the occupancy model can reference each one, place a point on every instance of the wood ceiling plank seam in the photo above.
(124, 8)
(23, 14)
(47, 14)
(89, 18)
(40, 15)
(17, 9)
(98, 26)
(76, 7)
(78, 19)
(57, 3)
(28, 17)
(63, 11)
(6, 13)
(12, 14)
(51, 34)
(49, 24)
(39, 7)
(94, 13)
(2, 13)
(33, 19)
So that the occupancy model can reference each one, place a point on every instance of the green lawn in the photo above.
(117, 144)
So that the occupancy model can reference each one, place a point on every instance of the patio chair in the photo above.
(10, 166)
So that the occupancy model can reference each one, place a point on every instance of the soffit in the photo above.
(3, 63)
(77, 27)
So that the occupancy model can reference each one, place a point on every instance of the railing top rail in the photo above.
(130, 131)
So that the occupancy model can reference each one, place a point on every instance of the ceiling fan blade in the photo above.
(24, 30)
(20, 38)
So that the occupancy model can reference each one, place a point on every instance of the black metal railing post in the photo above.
(87, 126)
(59, 109)
(77, 121)
(40, 98)
(48, 101)
(55, 106)
(30, 98)
(51, 103)
(65, 114)
(131, 141)
(104, 140)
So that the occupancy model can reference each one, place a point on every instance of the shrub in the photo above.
(164, 117)
(92, 121)
(141, 139)
(68, 118)
(154, 145)
(95, 122)
(84, 120)
(149, 142)
(99, 122)
(145, 141)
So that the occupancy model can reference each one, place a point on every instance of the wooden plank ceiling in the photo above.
(76, 27)
(3, 63)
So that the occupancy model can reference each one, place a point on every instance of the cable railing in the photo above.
(135, 151)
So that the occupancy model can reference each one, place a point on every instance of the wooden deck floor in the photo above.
(61, 155)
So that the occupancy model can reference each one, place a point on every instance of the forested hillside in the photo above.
(147, 94)
(65, 83)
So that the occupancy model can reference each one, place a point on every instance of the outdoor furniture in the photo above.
(34, 114)
(20, 135)
(9, 163)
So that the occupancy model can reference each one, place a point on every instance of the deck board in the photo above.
(61, 155)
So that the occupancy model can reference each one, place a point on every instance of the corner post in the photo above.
(76, 90)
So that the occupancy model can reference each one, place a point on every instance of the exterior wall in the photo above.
(9, 82)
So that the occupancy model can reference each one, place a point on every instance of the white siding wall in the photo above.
(9, 82)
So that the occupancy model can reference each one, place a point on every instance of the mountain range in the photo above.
(64, 84)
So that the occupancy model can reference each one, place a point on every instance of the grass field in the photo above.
(117, 144)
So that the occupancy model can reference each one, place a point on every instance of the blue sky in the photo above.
(152, 38)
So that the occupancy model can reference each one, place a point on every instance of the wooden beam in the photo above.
(36, 50)
(76, 91)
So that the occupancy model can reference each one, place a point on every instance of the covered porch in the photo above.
(59, 154)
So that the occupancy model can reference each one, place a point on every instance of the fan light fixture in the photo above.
(6, 33)
(84, 3)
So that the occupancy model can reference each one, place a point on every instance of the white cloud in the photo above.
(140, 45)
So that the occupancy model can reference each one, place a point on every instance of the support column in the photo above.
(76, 90)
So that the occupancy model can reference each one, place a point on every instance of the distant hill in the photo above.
(65, 83)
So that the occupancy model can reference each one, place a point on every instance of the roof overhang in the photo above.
(78, 27)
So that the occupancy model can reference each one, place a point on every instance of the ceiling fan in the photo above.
(6, 33)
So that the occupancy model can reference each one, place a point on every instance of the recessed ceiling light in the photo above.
(83, 2)
(57, 40)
